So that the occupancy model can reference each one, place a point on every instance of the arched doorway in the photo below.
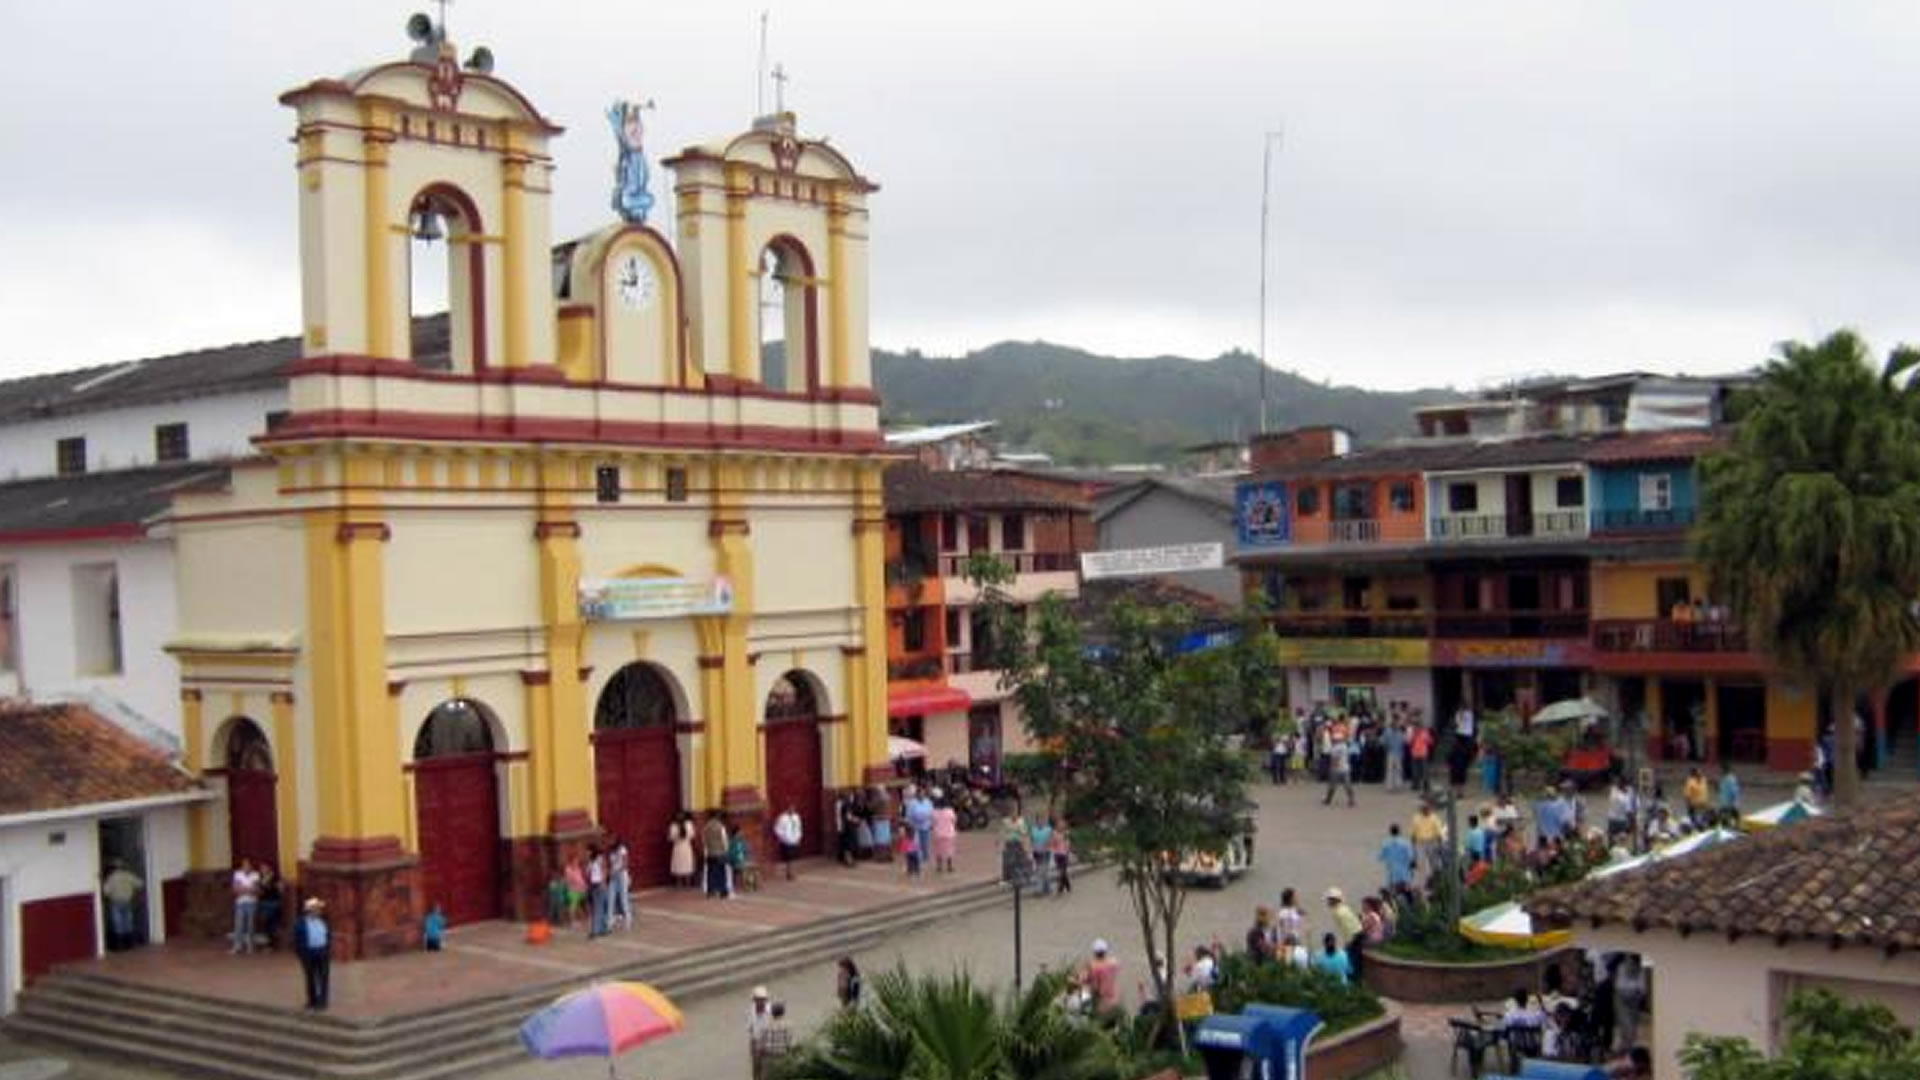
(636, 765)
(793, 755)
(457, 807)
(253, 819)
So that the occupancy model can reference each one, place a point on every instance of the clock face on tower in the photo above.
(633, 275)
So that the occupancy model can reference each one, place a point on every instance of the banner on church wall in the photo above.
(654, 598)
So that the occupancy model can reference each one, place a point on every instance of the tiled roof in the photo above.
(1440, 455)
(59, 757)
(913, 488)
(1683, 445)
(1846, 878)
(1097, 598)
(53, 507)
(227, 369)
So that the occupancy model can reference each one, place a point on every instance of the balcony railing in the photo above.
(1559, 522)
(1022, 562)
(1470, 527)
(1665, 635)
(1672, 519)
(1354, 531)
(1510, 624)
(1395, 625)
(1543, 523)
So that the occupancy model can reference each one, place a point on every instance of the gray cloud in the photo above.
(1466, 189)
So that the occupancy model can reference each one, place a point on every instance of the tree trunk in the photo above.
(1846, 748)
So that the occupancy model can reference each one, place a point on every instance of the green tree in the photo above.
(1810, 523)
(947, 1027)
(1132, 741)
(1828, 1038)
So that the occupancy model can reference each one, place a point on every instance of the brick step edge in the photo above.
(398, 1048)
(297, 1024)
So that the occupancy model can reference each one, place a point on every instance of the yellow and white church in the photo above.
(598, 558)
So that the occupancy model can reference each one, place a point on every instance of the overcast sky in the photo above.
(1465, 190)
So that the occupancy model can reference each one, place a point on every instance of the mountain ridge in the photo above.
(1084, 408)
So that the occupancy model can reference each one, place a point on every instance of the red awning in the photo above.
(919, 700)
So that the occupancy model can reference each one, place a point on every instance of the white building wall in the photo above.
(1705, 984)
(217, 427)
(55, 858)
(46, 626)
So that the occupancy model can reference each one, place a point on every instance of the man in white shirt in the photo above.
(787, 833)
(246, 901)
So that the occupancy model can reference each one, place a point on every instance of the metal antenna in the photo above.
(1266, 184)
(779, 88)
(760, 81)
(443, 17)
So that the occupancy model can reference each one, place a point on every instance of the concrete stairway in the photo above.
(210, 1037)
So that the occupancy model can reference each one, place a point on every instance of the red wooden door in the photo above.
(458, 808)
(793, 776)
(637, 771)
(253, 822)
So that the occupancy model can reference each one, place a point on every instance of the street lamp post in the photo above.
(1015, 869)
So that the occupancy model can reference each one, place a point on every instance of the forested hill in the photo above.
(1099, 410)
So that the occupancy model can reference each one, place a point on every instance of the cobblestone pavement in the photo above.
(1301, 844)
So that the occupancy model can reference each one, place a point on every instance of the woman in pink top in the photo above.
(1061, 847)
(946, 826)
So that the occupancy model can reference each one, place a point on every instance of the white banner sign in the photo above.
(654, 598)
(1144, 562)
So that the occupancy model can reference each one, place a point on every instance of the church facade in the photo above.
(601, 548)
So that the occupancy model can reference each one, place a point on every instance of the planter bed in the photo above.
(1437, 983)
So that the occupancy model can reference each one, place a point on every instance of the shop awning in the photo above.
(920, 700)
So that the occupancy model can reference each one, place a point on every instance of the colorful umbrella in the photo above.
(604, 1020)
(1691, 842)
(1509, 924)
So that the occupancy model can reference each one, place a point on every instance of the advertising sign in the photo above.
(1513, 652)
(654, 598)
(1144, 562)
(1261, 514)
(1353, 652)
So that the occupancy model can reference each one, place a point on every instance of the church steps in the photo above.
(196, 1029)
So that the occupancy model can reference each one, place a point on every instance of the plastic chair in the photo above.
(1475, 1040)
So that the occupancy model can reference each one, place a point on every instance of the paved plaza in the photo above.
(1301, 844)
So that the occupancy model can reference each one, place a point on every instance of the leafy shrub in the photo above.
(1243, 981)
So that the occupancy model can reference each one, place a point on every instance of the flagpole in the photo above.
(1266, 184)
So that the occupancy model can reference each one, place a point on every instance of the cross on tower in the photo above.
(779, 87)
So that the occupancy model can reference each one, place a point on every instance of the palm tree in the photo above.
(1810, 523)
(945, 1027)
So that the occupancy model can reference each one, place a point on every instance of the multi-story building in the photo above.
(938, 693)
(1525, 548)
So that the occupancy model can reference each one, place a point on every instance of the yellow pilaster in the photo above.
(709, 771)
(743, 283)
(286, 789)
(867, 670)
(381, 339)
(739, 749)
(356, 750)
(513, 198)
(560, 756)
(199, 815)
(840, 362)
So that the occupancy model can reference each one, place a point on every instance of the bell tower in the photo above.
(436, 150)
(773, 247)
